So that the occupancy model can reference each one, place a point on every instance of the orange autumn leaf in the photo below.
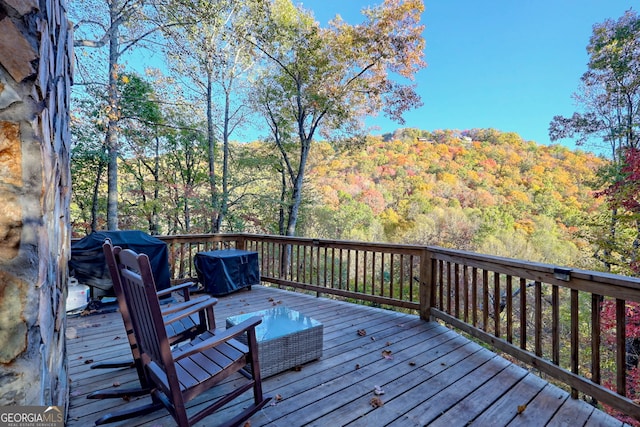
(376, 402)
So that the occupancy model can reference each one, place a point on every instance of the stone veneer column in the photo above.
(35, 81)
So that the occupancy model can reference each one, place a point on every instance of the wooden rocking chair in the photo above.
(195, 316)
(179, 375)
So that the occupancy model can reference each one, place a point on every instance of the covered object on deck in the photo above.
(87, 263)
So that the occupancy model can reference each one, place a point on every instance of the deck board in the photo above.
(432, 375)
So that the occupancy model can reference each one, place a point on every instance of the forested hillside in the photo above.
(477, 190)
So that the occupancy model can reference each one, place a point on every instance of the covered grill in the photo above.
(87, 263)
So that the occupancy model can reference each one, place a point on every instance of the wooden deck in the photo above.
(432, 375)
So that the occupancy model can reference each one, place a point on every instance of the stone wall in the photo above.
(35, 80)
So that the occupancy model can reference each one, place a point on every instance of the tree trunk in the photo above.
(296, 193)
(283, 199)
(224, 197)
(94, 198)
(212, 151)
(111, 138)
(154, 227)
(294, 205)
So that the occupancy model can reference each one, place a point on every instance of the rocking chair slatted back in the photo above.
(140, 292)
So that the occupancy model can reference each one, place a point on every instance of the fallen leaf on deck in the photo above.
(377, 390)
(247, 424)
(376, 402)
(275, 400)
(362, 332)
(412, 363)
(86, 362)
(116, 338)
(521, 408)
(116, 384)
(388, 343)
(373, 338)
(357, 366)
(387, 354)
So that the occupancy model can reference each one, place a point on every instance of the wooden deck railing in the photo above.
(549, 317)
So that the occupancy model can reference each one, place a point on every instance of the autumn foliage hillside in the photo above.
(478, 190)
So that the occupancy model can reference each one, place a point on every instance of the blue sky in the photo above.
(505, 64)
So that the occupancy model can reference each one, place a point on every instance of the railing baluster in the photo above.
(182, 260)
(555, 325)
(474, 296)
(595, 338)
(440, 265)
(537, 328)
(333, 267)
(523, 313)
(382, 275)
(374, 273)
(575, 337)
(317, 259)
(401, 281)
(263, 261)
(509, 308)
(485, 300)
(392, 276)
(357, 270)
(621, 347)
(304, 264)
(364, 271)
(348, 287)
(456, 291)
(340, 262)
(465, 292)
(497, 304)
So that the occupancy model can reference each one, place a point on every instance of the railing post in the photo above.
(426, 284)
(241, 242)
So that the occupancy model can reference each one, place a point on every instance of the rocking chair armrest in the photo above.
(176, 288)
(169, 309)
(189, 309)
(220, 338)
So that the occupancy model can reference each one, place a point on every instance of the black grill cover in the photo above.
(224, 271)
(87, 262)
